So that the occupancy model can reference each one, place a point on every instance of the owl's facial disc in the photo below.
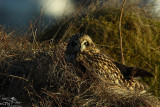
(84, 45)
(79, 46)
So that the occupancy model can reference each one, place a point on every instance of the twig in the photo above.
(14, 76)
(120, 33)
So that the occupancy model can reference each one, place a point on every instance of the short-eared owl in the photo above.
(82, 50)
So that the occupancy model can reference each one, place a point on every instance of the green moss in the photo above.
(141, 39)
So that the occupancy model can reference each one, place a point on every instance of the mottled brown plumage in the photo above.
(82, 52)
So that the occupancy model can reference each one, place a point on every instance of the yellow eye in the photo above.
(86, 43)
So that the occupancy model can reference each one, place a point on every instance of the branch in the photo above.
(120, 33)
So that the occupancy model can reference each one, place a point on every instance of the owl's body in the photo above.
(82, 50)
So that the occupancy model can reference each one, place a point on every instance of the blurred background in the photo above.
(19, 13)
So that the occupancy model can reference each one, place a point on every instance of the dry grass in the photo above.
(43, 78)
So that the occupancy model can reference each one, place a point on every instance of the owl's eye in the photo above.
(86, 43)
(73, 44)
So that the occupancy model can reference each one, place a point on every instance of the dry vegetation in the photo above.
(37, 74)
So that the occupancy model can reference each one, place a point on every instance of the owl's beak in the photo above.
(81, 48)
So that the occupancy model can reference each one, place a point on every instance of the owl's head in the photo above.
(79, 43)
